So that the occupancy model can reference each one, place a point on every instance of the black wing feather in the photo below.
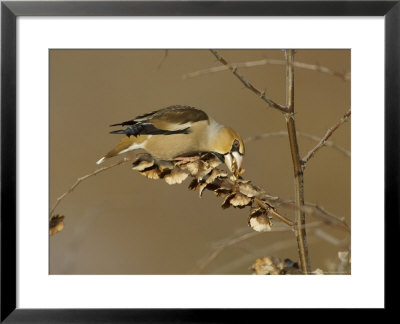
(148, 129)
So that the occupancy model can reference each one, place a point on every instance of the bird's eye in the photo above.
(235, 145)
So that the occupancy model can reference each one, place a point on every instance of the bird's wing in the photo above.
(170, 120)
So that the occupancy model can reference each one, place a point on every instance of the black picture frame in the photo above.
(11, 10)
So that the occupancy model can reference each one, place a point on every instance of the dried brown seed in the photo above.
(201, 188)
(164, 166)
(266, 266)
(215, 173)
(175, 176)
(275, 266)
(226, 204)
(261, 223)
(193, 185)
(140, 165)
(257, 211)
(240, 200)
(318, 271)
(56, 224)
(248, 190)
(239, 180)
(192, 167)
(151, 173)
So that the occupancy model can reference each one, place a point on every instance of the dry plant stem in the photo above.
(339, 221)
(212, 256)
(323, 214)
(163, 59)
(314, 67)
(79, 180)
(248, 85)
(305, 135)
(221, 246)
(300, 229)
(323, 140)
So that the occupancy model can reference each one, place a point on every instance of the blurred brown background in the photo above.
(119, 222)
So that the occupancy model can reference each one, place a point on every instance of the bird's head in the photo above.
(229, 148)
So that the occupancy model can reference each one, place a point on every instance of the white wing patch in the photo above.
(134, 146)
(100, 161)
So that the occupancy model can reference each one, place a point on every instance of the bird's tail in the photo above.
(125, 145)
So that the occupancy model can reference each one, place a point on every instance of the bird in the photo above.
(176, 132)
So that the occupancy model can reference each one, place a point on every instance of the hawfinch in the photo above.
(179, 131)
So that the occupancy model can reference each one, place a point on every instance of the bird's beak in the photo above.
(233, 161)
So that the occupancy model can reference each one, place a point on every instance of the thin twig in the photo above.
(237, 238)
(221, 247)
(298, 171)
(315, 210)
(323, 140)
(248, 85)
(329, 216)
(163, 59)
(330, 238)
(314, 67)
(79, 180)
(305, 135)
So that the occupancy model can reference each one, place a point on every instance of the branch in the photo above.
(300, 229)
(345, 76)
(323, 140)
(248, 85)
(308, 136)
(124, 160)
